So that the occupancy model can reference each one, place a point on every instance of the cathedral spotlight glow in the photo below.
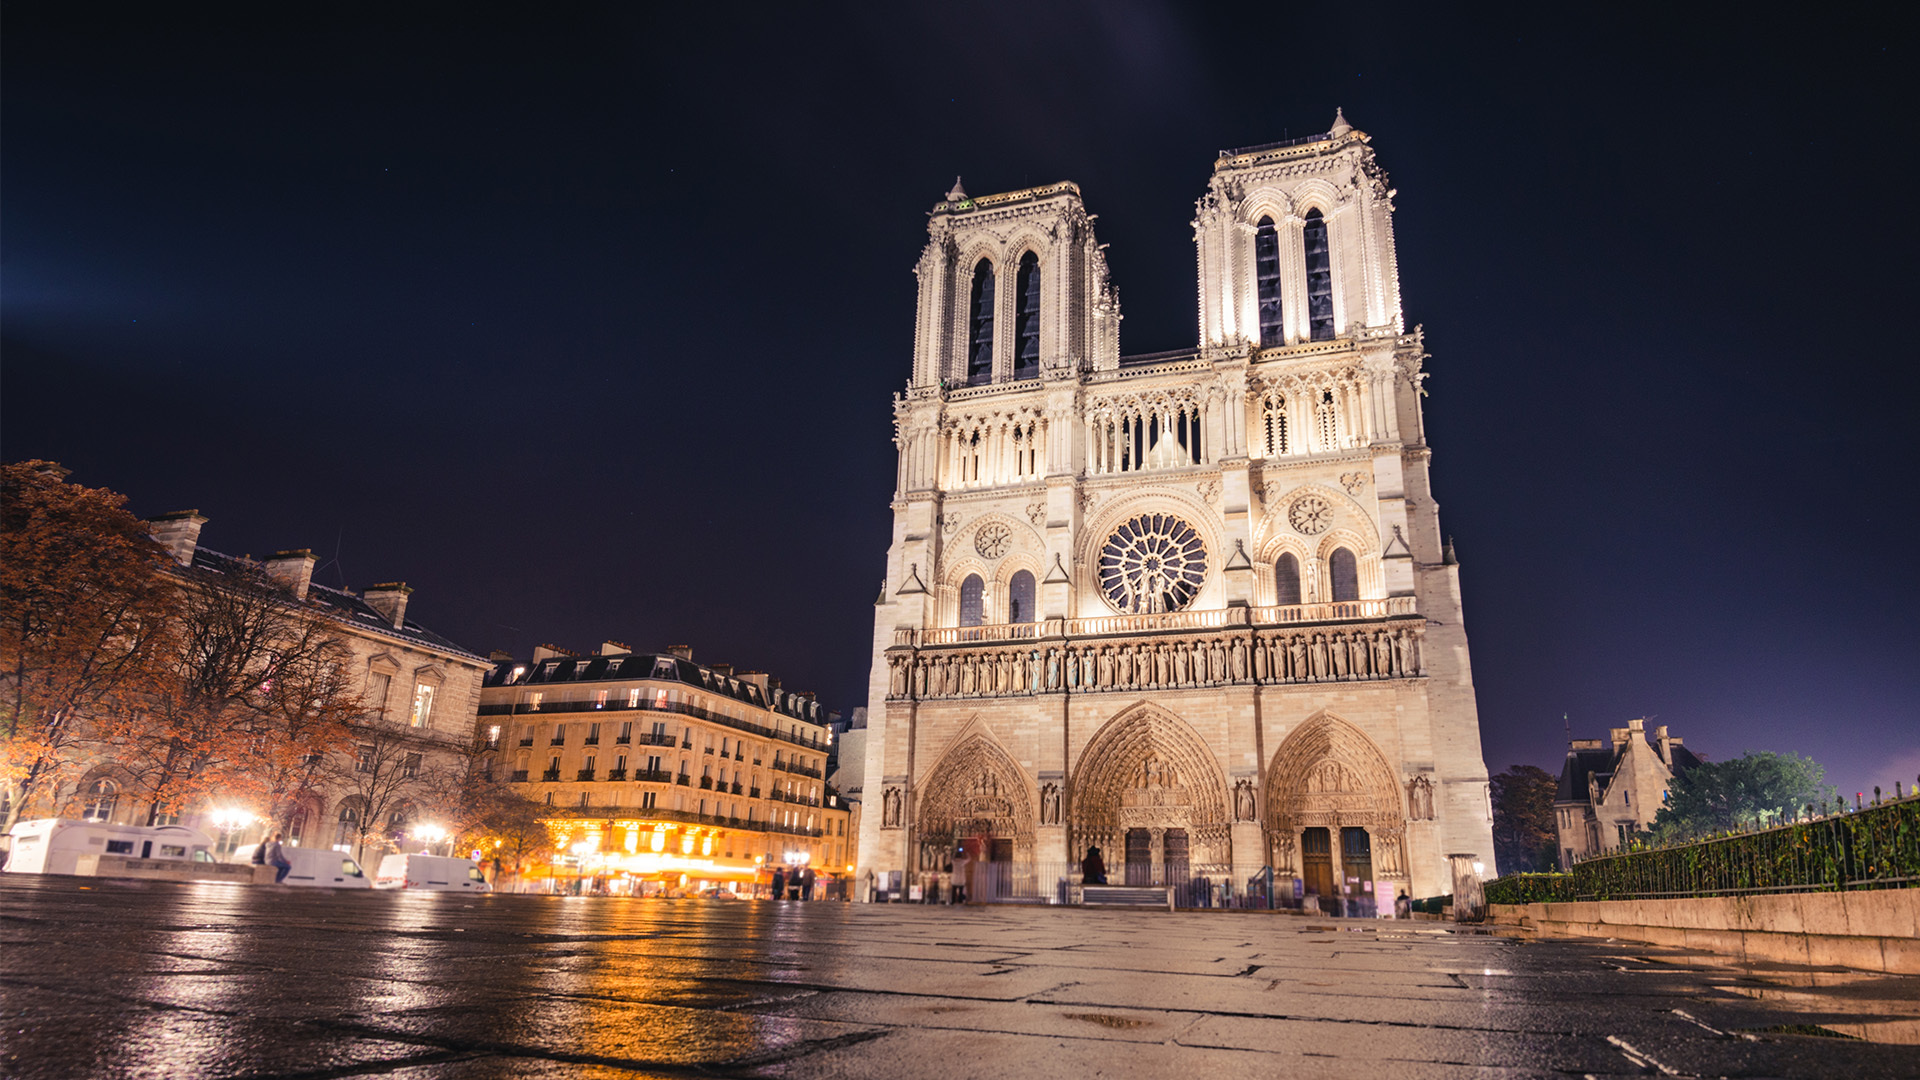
(1194, 609)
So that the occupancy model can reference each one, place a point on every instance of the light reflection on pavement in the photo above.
(136, 979)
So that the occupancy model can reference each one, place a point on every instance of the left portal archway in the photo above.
(975, 791)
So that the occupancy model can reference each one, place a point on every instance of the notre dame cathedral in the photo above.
(1192, 608)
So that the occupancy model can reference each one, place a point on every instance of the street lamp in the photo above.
(428, 834)
(230, 820)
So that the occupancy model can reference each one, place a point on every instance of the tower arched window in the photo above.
(1319, 278)
(1020, 598)
(1273, 424)
(972, 593)
(1026, 318)
(1345, 573)
(102, 796)
(1326, 416)
(1286, 579)
(1266, 273)
(980, 340)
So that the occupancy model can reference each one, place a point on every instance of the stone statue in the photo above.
(1050, 804)
(1106, 667)
(1243, 801)
(890, 809)
(1239, 659)
(1297, 656)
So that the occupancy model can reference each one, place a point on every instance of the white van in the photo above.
(54, 845)
(436, 872)
(315, 867)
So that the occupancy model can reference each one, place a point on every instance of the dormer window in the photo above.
(980, 340)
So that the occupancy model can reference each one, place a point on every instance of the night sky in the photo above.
(585, 321)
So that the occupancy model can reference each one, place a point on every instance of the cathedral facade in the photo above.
(1191, 608)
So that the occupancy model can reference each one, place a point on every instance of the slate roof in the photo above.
(1582, 764)
(627, 667)
(344, 607)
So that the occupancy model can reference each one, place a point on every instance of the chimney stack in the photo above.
(684, 652)
(615, 648)
(293, 569)
(179, 533)
(1619, 737)
(1665, 744)
(390, 600)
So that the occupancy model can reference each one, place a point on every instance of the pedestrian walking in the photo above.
(806, 883)
(779, 884)
(276, 857)
(960, 866)
(1093, 869)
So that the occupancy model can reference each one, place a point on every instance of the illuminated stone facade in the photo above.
(660, 766)
(1194, 607)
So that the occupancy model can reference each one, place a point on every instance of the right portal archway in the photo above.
(1333, 809)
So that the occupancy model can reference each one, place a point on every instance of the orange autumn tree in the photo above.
(256, 696)
(88, 616)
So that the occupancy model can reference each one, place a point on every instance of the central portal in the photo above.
(1149, 793)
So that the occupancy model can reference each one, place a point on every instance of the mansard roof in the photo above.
(340, 605)
(630, 667)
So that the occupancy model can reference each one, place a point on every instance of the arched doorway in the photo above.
(1149, 793)
(1333, 815)
(977, 799)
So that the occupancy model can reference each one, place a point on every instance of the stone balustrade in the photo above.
(1163, 657)
(1268, 615)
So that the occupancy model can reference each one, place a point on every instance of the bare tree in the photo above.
(387, 773)
(253, 689)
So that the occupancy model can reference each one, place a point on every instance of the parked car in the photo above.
(54, 845)
(315, 867)
(435, 872)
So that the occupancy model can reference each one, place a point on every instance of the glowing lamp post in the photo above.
(230, 820)
(429, 835)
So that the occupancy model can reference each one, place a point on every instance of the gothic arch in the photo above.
(1272, 534)
(1315, 193)
(1329, 774)
(1147, 768)
(975, 788)
(1266, 201)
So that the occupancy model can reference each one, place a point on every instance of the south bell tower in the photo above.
(1192, 608)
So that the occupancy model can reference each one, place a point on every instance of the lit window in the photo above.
(423, 705)
(600, 699)
(633, 698)
(533, 701)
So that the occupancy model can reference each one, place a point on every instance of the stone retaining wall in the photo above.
(1874, 930)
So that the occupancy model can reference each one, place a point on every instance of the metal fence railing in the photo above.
(1877, 847)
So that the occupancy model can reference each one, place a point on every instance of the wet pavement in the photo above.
(126, 979)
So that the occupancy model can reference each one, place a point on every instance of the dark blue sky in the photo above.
(584, 320)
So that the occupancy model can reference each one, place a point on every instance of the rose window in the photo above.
(992, 540)
(1154, 562)
(1311, 515)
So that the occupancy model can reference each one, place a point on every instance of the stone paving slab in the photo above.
(110, 979)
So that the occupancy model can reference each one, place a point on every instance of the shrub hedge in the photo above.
(1874, 848)
(1530, 889)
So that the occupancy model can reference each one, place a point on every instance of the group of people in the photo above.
(273, 852)
(793, 885)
